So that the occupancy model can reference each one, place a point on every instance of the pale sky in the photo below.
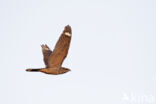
(112, 53)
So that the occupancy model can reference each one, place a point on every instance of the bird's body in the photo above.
(54, 59)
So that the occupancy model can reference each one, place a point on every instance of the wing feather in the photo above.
(46, 53)
(61, 49)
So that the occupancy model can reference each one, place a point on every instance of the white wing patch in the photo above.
(47, 49)
(67, 33)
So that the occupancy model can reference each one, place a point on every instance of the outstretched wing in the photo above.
(61, 48)
(46, 53)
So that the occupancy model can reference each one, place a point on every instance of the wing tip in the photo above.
(45, 47)
(67, 29)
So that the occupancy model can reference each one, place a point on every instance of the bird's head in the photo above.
(64, 70)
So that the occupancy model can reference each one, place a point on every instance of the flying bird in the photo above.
(53, 59)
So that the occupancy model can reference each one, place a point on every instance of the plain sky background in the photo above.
(112, 53)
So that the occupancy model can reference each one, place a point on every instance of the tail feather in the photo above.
(33, 70)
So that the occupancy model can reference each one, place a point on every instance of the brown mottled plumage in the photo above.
(54, 59)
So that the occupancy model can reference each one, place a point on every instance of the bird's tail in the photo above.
(34, 70)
